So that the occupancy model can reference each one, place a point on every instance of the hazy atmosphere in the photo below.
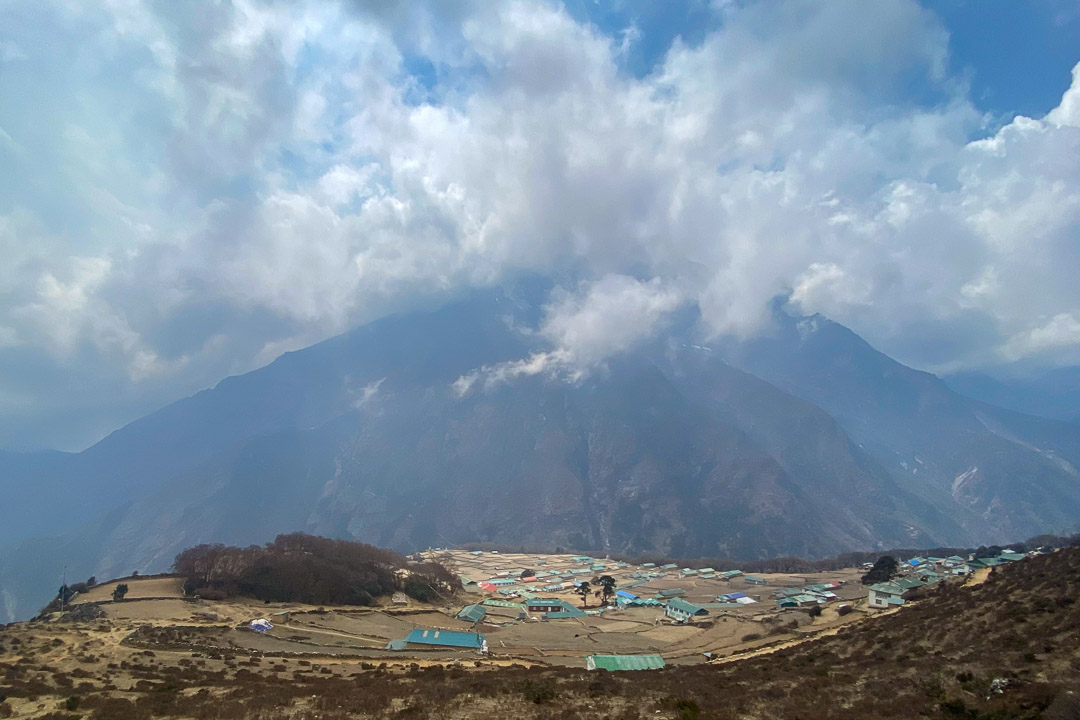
(637, 359)
(190, 190)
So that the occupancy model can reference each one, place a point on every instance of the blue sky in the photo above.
(191, 190)
(1017, 55)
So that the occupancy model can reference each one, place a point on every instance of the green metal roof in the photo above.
(503, 603)
(567, 612)
(686, 607)
(472, 613)
(670, 593)
(546, 602)
(624, 662)
(888, 588)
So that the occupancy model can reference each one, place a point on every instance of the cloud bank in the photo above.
(192, 192)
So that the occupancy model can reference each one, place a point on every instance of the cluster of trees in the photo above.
(64, 595)
(602, 587)
(309, 569)
(883, 570)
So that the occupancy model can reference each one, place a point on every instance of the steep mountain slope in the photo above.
(667, 448)
(623, 462)
(57, 491)
(809, 443)
(1005, 474)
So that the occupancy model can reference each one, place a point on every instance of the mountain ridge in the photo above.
(808, 442)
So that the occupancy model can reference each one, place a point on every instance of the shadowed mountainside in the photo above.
(807, 442)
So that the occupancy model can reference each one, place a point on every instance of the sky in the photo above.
(187, 190)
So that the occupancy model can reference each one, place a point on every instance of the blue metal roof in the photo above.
(445, 638)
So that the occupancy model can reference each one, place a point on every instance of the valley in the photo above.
(158, 653)
(807, 443)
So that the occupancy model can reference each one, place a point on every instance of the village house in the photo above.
(682, 611)
(623, 662)
(544, 605)
(885, 595)
(420, 639)
(799, 600)
(472, 613)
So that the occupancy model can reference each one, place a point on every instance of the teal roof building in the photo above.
(623, 662)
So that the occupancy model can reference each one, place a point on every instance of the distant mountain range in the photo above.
(804, 441)
(1051, 393)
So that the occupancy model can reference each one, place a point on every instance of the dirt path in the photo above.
(379, 642)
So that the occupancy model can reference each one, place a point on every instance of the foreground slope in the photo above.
(1005, 648)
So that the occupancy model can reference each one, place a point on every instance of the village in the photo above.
(535, 609)
(677, 614)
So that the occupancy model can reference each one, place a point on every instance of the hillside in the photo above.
(996, 473)
(1004, 647)
(807, 442)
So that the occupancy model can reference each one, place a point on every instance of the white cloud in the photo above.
(280, 164)
(1067, 113)
(1062, 331)
(368, 393)
(603, 319)
(610, 316)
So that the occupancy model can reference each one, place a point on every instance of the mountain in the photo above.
(998, 473)
(43, 487)
(805, 442)
(1053, 394)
